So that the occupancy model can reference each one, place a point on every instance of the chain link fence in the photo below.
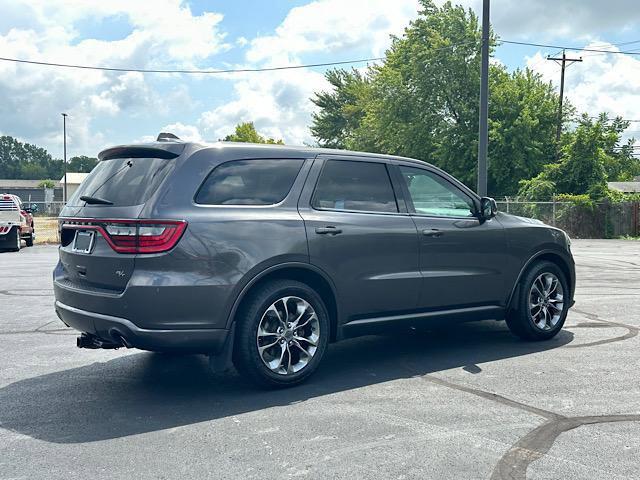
(600, 220)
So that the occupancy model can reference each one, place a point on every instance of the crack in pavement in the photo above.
(22, 294)
(537, 443)
(631, 330)
(54, 331)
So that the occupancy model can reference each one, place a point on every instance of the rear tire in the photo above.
(17, 240)
(282, 331)
(30, 238)
(541, 306)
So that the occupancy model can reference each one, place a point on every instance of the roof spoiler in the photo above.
(168, 151)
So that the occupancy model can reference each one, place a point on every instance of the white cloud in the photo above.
(546, 19)
(334, 26)
(162, 33)
(600, 83)
(279, 102)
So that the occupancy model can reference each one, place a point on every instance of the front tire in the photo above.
(541, 306)
(282, 332)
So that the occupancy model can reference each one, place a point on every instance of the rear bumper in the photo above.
(112, 329)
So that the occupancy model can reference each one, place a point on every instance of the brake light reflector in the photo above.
(133, 236)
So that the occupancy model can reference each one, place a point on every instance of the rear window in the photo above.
(249, 182)
(123, 181)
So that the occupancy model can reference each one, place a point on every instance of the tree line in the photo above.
(25, 161)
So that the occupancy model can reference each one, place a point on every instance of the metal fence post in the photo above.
(554, 210)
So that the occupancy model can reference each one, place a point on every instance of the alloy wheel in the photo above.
(546, 301)
(288, 335)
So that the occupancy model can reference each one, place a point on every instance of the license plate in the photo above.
(83, 241)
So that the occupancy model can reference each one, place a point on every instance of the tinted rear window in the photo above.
(249, 182)
(355, 186)
(123, 181)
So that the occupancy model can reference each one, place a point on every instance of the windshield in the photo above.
(123, 181)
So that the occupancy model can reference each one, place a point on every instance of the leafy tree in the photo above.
(341, 110)
(26, 161)
(422, 102)
(82, 164)
(591, 156)
(48, 183)
(246, 132)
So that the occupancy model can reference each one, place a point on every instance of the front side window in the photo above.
(249, 182)
(354, 186)
(433, 195)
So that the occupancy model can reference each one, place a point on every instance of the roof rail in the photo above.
(166, 137)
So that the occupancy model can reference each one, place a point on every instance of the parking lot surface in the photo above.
(468, 402)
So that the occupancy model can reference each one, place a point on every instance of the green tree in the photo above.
(341, 110)
(592, 154)
(26, 161)
(82, 164)
(422, 102)
(48, 183)
(246, 132)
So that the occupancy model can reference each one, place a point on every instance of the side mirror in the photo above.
(28, 210)
(488, 208)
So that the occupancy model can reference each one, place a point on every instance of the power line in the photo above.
(209, 72)
(575, 49)
(292, 67)
(230, 70)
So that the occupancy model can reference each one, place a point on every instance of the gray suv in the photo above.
(263, 255)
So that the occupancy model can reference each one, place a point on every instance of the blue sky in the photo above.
(110, 108)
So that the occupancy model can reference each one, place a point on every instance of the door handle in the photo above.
(328, 230)
(433, 233)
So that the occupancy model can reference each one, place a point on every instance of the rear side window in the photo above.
(249, 182)
(355, 186)
(123, 181)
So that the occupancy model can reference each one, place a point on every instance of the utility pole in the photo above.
(563, 64)
(483, 134)
(64, 140)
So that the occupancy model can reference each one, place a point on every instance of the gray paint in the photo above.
(381, 267)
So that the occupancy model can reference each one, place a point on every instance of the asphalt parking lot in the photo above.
(470, 402)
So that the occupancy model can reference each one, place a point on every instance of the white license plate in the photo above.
(83, 241)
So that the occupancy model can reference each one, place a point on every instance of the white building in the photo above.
(73, 182)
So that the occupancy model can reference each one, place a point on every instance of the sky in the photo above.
(108, 108)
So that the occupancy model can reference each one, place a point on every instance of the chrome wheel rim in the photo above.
(288, 335)
(546, 301)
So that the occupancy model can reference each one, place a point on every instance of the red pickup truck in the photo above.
(16, 223)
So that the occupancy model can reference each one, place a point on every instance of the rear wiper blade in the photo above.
(95, 200)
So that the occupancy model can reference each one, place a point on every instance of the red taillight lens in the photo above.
(153, 238)
(135, 236)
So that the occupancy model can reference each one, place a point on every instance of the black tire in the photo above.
(29, 239)
(246, 357)
(16, 240)
(520, 320)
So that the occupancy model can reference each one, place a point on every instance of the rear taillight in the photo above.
(134, 236)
